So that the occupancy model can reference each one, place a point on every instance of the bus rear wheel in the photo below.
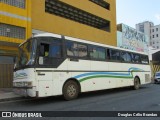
(70, 90)
(136, 83)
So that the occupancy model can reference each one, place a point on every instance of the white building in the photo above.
(152, 31)
(155, 36)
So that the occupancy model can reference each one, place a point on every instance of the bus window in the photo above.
(55, 50)
(72, 49)
(93, 52)
(97, 53)
(102, 53)
(144, 59)
(126, 57)
(44, 50)
(114, 55)
(49, 52)
(76, 50)
(136, 58)
(82, 49)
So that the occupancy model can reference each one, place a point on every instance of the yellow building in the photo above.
(15, 27)
(15, 24)
(93, 20)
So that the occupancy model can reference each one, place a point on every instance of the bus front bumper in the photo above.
(25, 91)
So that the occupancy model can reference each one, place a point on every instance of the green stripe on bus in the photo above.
(104, 76)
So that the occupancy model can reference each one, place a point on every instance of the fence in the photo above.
(155, 67)
(6, 75)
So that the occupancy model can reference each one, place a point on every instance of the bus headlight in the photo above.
(22, 84)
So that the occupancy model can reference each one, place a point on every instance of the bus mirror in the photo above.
(41, 60)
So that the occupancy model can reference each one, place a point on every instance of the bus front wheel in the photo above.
(70, 90)
(136, 83)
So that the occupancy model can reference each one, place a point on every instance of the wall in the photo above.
(14, 16)
(6, 75)
(54, 24)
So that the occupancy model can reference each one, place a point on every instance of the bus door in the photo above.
(45, 82)
(50, 58)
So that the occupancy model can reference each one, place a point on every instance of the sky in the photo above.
(131, 12)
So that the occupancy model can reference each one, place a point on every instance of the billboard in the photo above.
(130, 38)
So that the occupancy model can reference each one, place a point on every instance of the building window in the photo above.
(156, 29)
(16, 3)
(64, 10)
(157, 35)
(12, 31)
(153, 36)
(157, 47)
(153, 42)
(152, 30)
(102, 3)
(141, 28)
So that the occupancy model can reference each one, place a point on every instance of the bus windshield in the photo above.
(27, 53)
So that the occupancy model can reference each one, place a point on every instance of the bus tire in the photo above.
(136, 83)
(70, 90)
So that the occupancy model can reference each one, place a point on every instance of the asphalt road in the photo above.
(124, 99)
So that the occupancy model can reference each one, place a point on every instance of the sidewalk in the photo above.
(7, 94)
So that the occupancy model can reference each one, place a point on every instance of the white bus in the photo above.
(51, 65)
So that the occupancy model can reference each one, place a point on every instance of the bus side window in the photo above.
(133, 59)
(115, 55)
(136, 58)
(72, 49)
(55, 51)
(44, 50)
(82, 51)
(43, 53)
(93, 52)
(102, 53)
(126, 57)
(97, 53)
(145, 59)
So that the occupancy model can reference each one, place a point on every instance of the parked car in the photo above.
(157, 77)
